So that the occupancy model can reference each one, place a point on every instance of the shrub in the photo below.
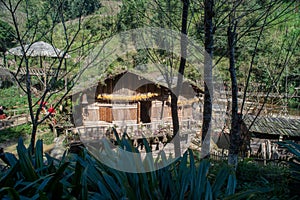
(83, 177)
(294, 165)
(268, 181)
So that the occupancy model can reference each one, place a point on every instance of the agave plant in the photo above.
(32, 177)
(84, 177)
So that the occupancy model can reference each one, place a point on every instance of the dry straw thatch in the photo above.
(38, 49)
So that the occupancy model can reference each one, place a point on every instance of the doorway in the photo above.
(145, 113)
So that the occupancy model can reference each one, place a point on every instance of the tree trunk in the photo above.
(30, 105)
(174, 97)
(235, 137)
(208, 44)
(32, 139)
(175, 121)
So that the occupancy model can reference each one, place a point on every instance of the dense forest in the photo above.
(265, 33)
(250, 48)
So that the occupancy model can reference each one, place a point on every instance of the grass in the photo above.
(13, 133)
(47, 137)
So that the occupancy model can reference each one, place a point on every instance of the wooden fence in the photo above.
(14, 121)
(280, 161)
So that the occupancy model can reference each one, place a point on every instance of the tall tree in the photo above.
(174, 97)
(235, 137)
(260, 23)
(208, 89)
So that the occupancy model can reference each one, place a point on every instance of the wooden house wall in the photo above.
(158, 113)
(91, 113)
(125, 113)
(105, 114)
(132, 112)
(112, 111)
(187, 112)
(184, 112)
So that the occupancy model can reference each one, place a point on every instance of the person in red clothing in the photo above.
(51, 111)
(2, 114)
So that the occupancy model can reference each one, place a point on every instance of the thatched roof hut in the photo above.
(134, 98)
(38, 49)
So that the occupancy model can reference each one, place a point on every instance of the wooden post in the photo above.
(45, 74)
(138, 112)
(162, 110)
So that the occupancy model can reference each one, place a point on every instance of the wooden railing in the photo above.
(135, 131)
(14, 121)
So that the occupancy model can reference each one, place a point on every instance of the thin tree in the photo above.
(174, 97)
(232, 39)
(208, 89)
(235, 137)
(35, 31)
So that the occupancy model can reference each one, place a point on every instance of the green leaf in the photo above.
(231, 185)
(39, 155)
(247, 194)
(219, 182)
(7, 179)
(76, 178)
(201, 177)
(84, 188)
(292, 147)
(12, 193)
(113, 186)
(117, 137)
(103, 191)
(11, 158)
(25, 162)
(30, 185)
(208, 191)
(42, 196)
(52, 184)
(147, 146)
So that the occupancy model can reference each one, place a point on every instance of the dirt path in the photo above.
(11, 146)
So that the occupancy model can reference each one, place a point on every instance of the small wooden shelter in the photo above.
(272, 127)
(263, 134)
(132, 98)
(40, 50)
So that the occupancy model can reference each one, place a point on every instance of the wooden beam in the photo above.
(138, 112)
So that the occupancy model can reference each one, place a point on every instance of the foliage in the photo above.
(6, 36)
(73, 9)
(47, 12)
(83, 177)
(47, 137)
(270, 180)
(294, 164)
(13, 133)
(12, 97)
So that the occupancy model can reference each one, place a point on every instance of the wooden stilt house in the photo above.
(129, 98)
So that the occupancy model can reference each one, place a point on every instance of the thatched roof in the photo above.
(38, 49)
(138, 97)
(155, 78)
(273, 125)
